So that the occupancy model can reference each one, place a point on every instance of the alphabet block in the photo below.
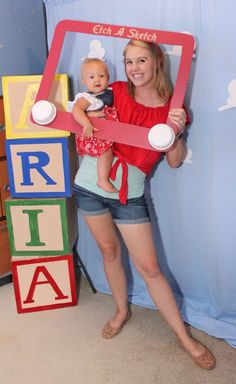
(19, 95)
(39, 227)
(44, 283)
(38, 167)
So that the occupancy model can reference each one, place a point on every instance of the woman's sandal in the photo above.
(206, 360)
(109, 332)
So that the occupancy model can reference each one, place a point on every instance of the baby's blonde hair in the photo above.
(89, 60)
(163, 85)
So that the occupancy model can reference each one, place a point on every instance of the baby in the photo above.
(95, 76)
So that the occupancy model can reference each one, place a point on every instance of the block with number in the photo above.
(40, 167)
(41, 227)
(19, 94)
(44, 283)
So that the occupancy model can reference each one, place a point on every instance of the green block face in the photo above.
(37, 227)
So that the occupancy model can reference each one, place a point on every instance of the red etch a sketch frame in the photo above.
(123, 133)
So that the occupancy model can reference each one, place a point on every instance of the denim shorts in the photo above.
(90, 204)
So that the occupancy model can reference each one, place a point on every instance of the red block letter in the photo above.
(49, 280)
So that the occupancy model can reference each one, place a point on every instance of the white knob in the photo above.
(161, 136)
(43, 112)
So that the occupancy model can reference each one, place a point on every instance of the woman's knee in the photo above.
(149, 271)
(110, 251)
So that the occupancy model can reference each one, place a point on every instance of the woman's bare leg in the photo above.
(139, 241)
(104, 232)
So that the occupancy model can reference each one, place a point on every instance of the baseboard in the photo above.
(5, 279)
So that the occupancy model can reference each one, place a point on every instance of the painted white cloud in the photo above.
(176, 50)
(96, 50)
(231, 101)
(188, 159)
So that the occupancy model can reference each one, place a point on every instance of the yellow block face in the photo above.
(19, 94)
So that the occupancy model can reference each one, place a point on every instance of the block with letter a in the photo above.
(19, 95)
(44, 283)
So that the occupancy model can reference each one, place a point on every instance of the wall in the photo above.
(23, 47)
(194, 215)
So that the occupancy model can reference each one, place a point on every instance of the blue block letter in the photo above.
(43, 160)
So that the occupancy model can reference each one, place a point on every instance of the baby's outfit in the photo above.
(93, 146)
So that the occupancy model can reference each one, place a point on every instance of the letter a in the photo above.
(28, 103)
(49, 280)
(120, 32)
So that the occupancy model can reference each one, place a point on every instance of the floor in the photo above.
(65, 346)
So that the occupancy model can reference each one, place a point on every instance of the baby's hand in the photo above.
(88, 131)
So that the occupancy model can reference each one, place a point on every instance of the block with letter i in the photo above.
(40, 227)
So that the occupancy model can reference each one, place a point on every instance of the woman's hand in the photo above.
(178, 117)
(176, 155)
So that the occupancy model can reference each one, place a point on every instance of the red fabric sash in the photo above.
(124, 184)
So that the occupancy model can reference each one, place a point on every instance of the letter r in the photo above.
(28, 164)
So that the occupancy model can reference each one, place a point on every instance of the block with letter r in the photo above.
(39, 167)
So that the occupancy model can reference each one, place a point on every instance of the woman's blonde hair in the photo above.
(163, 85)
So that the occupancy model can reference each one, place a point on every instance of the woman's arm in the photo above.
(178, 153)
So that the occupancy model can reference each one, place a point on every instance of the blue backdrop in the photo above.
(195, 220)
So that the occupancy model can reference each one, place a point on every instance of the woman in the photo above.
(143, 100)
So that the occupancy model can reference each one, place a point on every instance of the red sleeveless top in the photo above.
(129, 111)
